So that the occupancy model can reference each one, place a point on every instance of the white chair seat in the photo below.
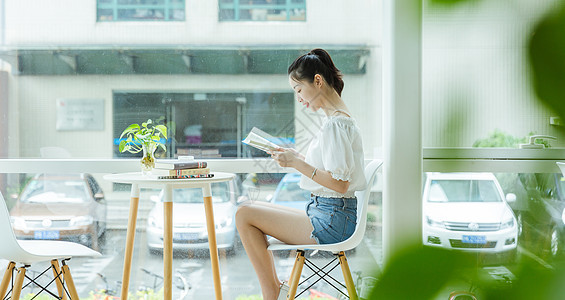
(42, 250)
(275, 244)
(27, 252)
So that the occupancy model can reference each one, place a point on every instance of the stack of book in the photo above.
(181, 168)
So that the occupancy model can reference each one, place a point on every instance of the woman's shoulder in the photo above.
(344, 122)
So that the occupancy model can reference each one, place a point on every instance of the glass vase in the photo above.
(148, 159)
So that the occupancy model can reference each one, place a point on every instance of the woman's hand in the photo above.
(286, 157)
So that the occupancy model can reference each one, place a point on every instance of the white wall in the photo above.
(72, 22)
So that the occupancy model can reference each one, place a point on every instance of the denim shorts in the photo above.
(333, 219)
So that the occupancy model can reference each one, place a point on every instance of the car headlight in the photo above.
(81, 221)
(434, 223)
(225, 223)
(507, 224)
(18, 223)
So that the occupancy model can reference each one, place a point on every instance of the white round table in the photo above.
(137, 181)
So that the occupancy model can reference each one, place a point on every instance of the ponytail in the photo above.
(317, 61)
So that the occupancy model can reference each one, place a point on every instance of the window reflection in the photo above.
(262, 10)
(140, 10)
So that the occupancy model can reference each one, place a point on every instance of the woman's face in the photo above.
(307, 93)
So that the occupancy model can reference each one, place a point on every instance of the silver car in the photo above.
(189, 219)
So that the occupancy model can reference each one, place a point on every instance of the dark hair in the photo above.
(317, 61)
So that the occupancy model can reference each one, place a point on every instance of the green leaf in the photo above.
(162, 129)
(130, 128)
(122, 146)
(546, 53)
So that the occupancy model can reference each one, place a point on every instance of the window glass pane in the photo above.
(264, 10)
(176, 14)
(210, 84)
(151, 14)
(129, 10)
(227, 14)
(105, 14)
(476, 76)
(505, 218)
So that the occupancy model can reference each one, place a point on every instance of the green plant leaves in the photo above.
(546, 53)
(418, 273)
(147, 134)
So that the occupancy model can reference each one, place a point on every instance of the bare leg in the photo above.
(256, 220)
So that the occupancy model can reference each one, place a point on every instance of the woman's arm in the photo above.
(289, 158)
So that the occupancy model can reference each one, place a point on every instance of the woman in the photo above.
(332, 171)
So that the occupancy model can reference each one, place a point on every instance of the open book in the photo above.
(263, 141)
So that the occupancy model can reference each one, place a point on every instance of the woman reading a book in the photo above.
(332, 170)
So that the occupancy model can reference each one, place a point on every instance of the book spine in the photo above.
(189, 171)
(185, 176)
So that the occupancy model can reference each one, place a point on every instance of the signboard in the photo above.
(80, 114)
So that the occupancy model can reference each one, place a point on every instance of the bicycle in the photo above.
(143, 292)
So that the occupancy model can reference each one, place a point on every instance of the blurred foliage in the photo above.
(500, 139)
(450, 2)
(423, 272)
(546, 54)
(419, 272)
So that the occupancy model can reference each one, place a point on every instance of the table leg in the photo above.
(130, 237)
(168, 243)
(210, 224)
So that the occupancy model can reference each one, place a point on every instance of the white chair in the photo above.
(27, 252)
(338, 249)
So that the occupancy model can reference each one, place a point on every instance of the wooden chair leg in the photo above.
(295, 274)
(69, 282)
(347, 276)
(19, 283)
(58, 279)
(6, 279)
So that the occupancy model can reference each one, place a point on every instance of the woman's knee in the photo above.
(242, 215)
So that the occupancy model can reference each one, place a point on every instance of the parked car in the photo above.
(189, 219)
(468, 212)
(288, 193)
(540, 211)
(61, 207)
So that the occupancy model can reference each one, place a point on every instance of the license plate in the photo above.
(474, 239)
(185, 236)
(46, 235)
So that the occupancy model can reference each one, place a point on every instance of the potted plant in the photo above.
(146, 138)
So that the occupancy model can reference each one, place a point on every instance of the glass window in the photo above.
(141, 10)
(262, 10)
(476, 77)
(207, 125)
(463, 191)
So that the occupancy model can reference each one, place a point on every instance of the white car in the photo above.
(189, 220)
(468, 212)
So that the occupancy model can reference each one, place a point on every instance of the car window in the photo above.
(463, 191)
(291, 191)
(51, 191)
(220, 193)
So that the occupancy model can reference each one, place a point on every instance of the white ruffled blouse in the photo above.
(336, 148)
